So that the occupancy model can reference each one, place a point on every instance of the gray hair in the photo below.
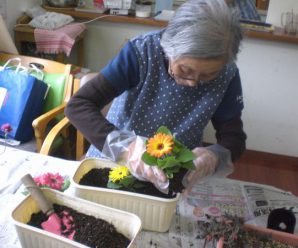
(203, 29)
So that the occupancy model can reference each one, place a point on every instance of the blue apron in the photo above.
(158, 100)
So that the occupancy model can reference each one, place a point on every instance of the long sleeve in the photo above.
(84, 110)
(230, 135)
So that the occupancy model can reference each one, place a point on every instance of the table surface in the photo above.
(15, 163)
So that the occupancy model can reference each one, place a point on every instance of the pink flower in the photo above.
(6, 128)
(54, 181)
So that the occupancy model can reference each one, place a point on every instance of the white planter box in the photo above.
(30, 237)
(155, 212)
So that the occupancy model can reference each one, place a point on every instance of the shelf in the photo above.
(108, 17)
(278, 34)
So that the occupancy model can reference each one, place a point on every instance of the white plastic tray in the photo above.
(155, 212)
(30, 237)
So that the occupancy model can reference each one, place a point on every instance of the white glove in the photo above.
(205, 163)
(209, 159)
(143, 171)
(127, 148)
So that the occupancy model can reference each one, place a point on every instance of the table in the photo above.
(227, 195)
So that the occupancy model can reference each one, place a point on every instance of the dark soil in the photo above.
(99, 178)
(90, 231)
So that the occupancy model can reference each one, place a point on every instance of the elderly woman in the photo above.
(181, 77)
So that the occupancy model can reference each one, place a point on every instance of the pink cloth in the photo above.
(58, 40)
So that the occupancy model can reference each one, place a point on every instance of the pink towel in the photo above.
(58, 40)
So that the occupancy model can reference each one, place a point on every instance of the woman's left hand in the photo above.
(205, 163)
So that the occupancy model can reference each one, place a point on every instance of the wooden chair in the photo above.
(57, 97)
(81, 143)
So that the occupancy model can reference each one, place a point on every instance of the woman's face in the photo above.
(190, 71)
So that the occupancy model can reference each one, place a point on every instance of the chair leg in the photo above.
(80, 149)
(81, 52)
(60, 57)
(66, 143)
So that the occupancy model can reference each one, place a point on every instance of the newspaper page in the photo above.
(216, 197)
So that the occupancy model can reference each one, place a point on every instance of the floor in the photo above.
(266, 168)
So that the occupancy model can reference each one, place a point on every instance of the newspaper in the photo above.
(218, 196)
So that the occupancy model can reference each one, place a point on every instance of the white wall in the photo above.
(15, 8)
(104, 40)
(269, 72)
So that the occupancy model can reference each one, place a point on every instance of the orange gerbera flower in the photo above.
(160, 144)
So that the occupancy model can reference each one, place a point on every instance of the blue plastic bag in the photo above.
(21, 100)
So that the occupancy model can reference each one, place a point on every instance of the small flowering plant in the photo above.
(6, 129)
(52, 181)
(120, 177)
(167, 153)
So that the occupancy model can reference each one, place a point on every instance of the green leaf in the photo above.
(160, 162)
(169, 174)
(185, 155)
(178, 144)
(170, 162)
(163, 129)
(175, 150)
(65, 185)
(147, 159)
(188, 165)
(112, 185)
(128, 181)
(174, 169)
(138, 185)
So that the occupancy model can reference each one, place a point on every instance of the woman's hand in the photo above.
(143, 171)
(205, 163)
(126, 147)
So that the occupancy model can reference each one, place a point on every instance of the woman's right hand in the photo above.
(205, 164)
(141, 170)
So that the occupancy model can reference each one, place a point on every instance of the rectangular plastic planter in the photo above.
(126, 223)
(155, 212)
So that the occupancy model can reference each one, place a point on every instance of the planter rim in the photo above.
(118, 191)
